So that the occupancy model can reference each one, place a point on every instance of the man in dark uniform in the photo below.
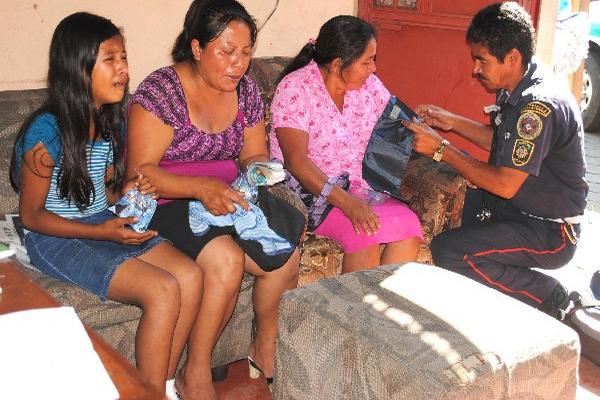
(532, 191)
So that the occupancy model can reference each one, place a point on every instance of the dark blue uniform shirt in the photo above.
(538, 129)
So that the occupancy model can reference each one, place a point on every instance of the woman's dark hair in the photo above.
(205, 21)
(501, 27)
(345, 37)
(73, 53)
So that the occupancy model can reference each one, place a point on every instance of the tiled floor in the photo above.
(238, 386)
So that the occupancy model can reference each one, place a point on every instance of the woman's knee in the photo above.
(223, 265)
(291, 268)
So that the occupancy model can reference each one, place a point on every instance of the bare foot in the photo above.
(196, 391)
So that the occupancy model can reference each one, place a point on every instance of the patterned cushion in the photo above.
(15, 107)
(265, 71)
(436, 193)
(414, 332)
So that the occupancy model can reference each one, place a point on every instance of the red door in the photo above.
(422, 55)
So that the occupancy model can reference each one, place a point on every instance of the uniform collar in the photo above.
(531, 76)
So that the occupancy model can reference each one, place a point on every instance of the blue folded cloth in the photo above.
(135, 204)
(264, 173)
(249, 225)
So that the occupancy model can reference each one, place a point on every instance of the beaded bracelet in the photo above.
(326, 190)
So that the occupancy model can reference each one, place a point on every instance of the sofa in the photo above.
(433, 190)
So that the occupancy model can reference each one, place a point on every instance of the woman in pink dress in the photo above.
(323, 113)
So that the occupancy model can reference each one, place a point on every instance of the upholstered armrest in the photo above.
(435, 192)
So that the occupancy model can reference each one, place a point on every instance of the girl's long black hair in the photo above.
(73, 53)
(345, 37)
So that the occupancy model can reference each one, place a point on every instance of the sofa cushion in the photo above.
(435, 192)
(264, 72)
(15, 107)
(414, 331)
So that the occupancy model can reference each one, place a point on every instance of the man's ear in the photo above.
(514, 57)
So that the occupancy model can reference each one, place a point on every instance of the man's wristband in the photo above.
(437, 156)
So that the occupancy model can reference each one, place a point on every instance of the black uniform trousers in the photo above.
(502, 251)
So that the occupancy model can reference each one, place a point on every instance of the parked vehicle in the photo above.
(590, 93)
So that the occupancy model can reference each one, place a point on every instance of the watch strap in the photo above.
(437, 156)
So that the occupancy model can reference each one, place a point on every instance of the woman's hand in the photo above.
(116, 230)
(143, 185)
(435, 116)
(361, 215)
(219, 198)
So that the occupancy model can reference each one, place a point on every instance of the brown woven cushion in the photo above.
(320, 258)
(15, 107)
(264, 72)
(436, 193)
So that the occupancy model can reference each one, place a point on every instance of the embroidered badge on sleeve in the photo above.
(529, 125)
(522, 152)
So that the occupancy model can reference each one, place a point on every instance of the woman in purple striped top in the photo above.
(192, 125)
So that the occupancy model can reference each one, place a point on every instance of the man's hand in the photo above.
(435, 116)
(426, 140)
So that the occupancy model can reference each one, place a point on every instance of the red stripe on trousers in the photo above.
(500, 285)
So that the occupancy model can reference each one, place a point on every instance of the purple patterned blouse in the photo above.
(162, 95)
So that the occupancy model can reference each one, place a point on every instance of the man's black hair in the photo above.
(502, 27)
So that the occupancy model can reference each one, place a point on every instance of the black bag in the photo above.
(283, 218)
(389, 149)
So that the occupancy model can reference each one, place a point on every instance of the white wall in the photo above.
(150, 27)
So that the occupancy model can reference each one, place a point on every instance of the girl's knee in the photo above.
(163, 293)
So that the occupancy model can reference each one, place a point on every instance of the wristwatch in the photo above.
(437, 156)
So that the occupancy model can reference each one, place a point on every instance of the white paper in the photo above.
(8, 234)
(47, 354)
(17, 226)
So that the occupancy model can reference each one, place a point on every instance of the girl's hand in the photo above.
(116, 230)
(143, 185)
(219, 198)
(361, 215)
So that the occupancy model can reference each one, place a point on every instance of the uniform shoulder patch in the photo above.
(522, 152)
(529, 125)
(537, 107)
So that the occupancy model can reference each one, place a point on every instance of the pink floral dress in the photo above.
(337, 143)
(337, 140)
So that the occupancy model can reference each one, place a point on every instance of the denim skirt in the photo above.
(88, 263)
